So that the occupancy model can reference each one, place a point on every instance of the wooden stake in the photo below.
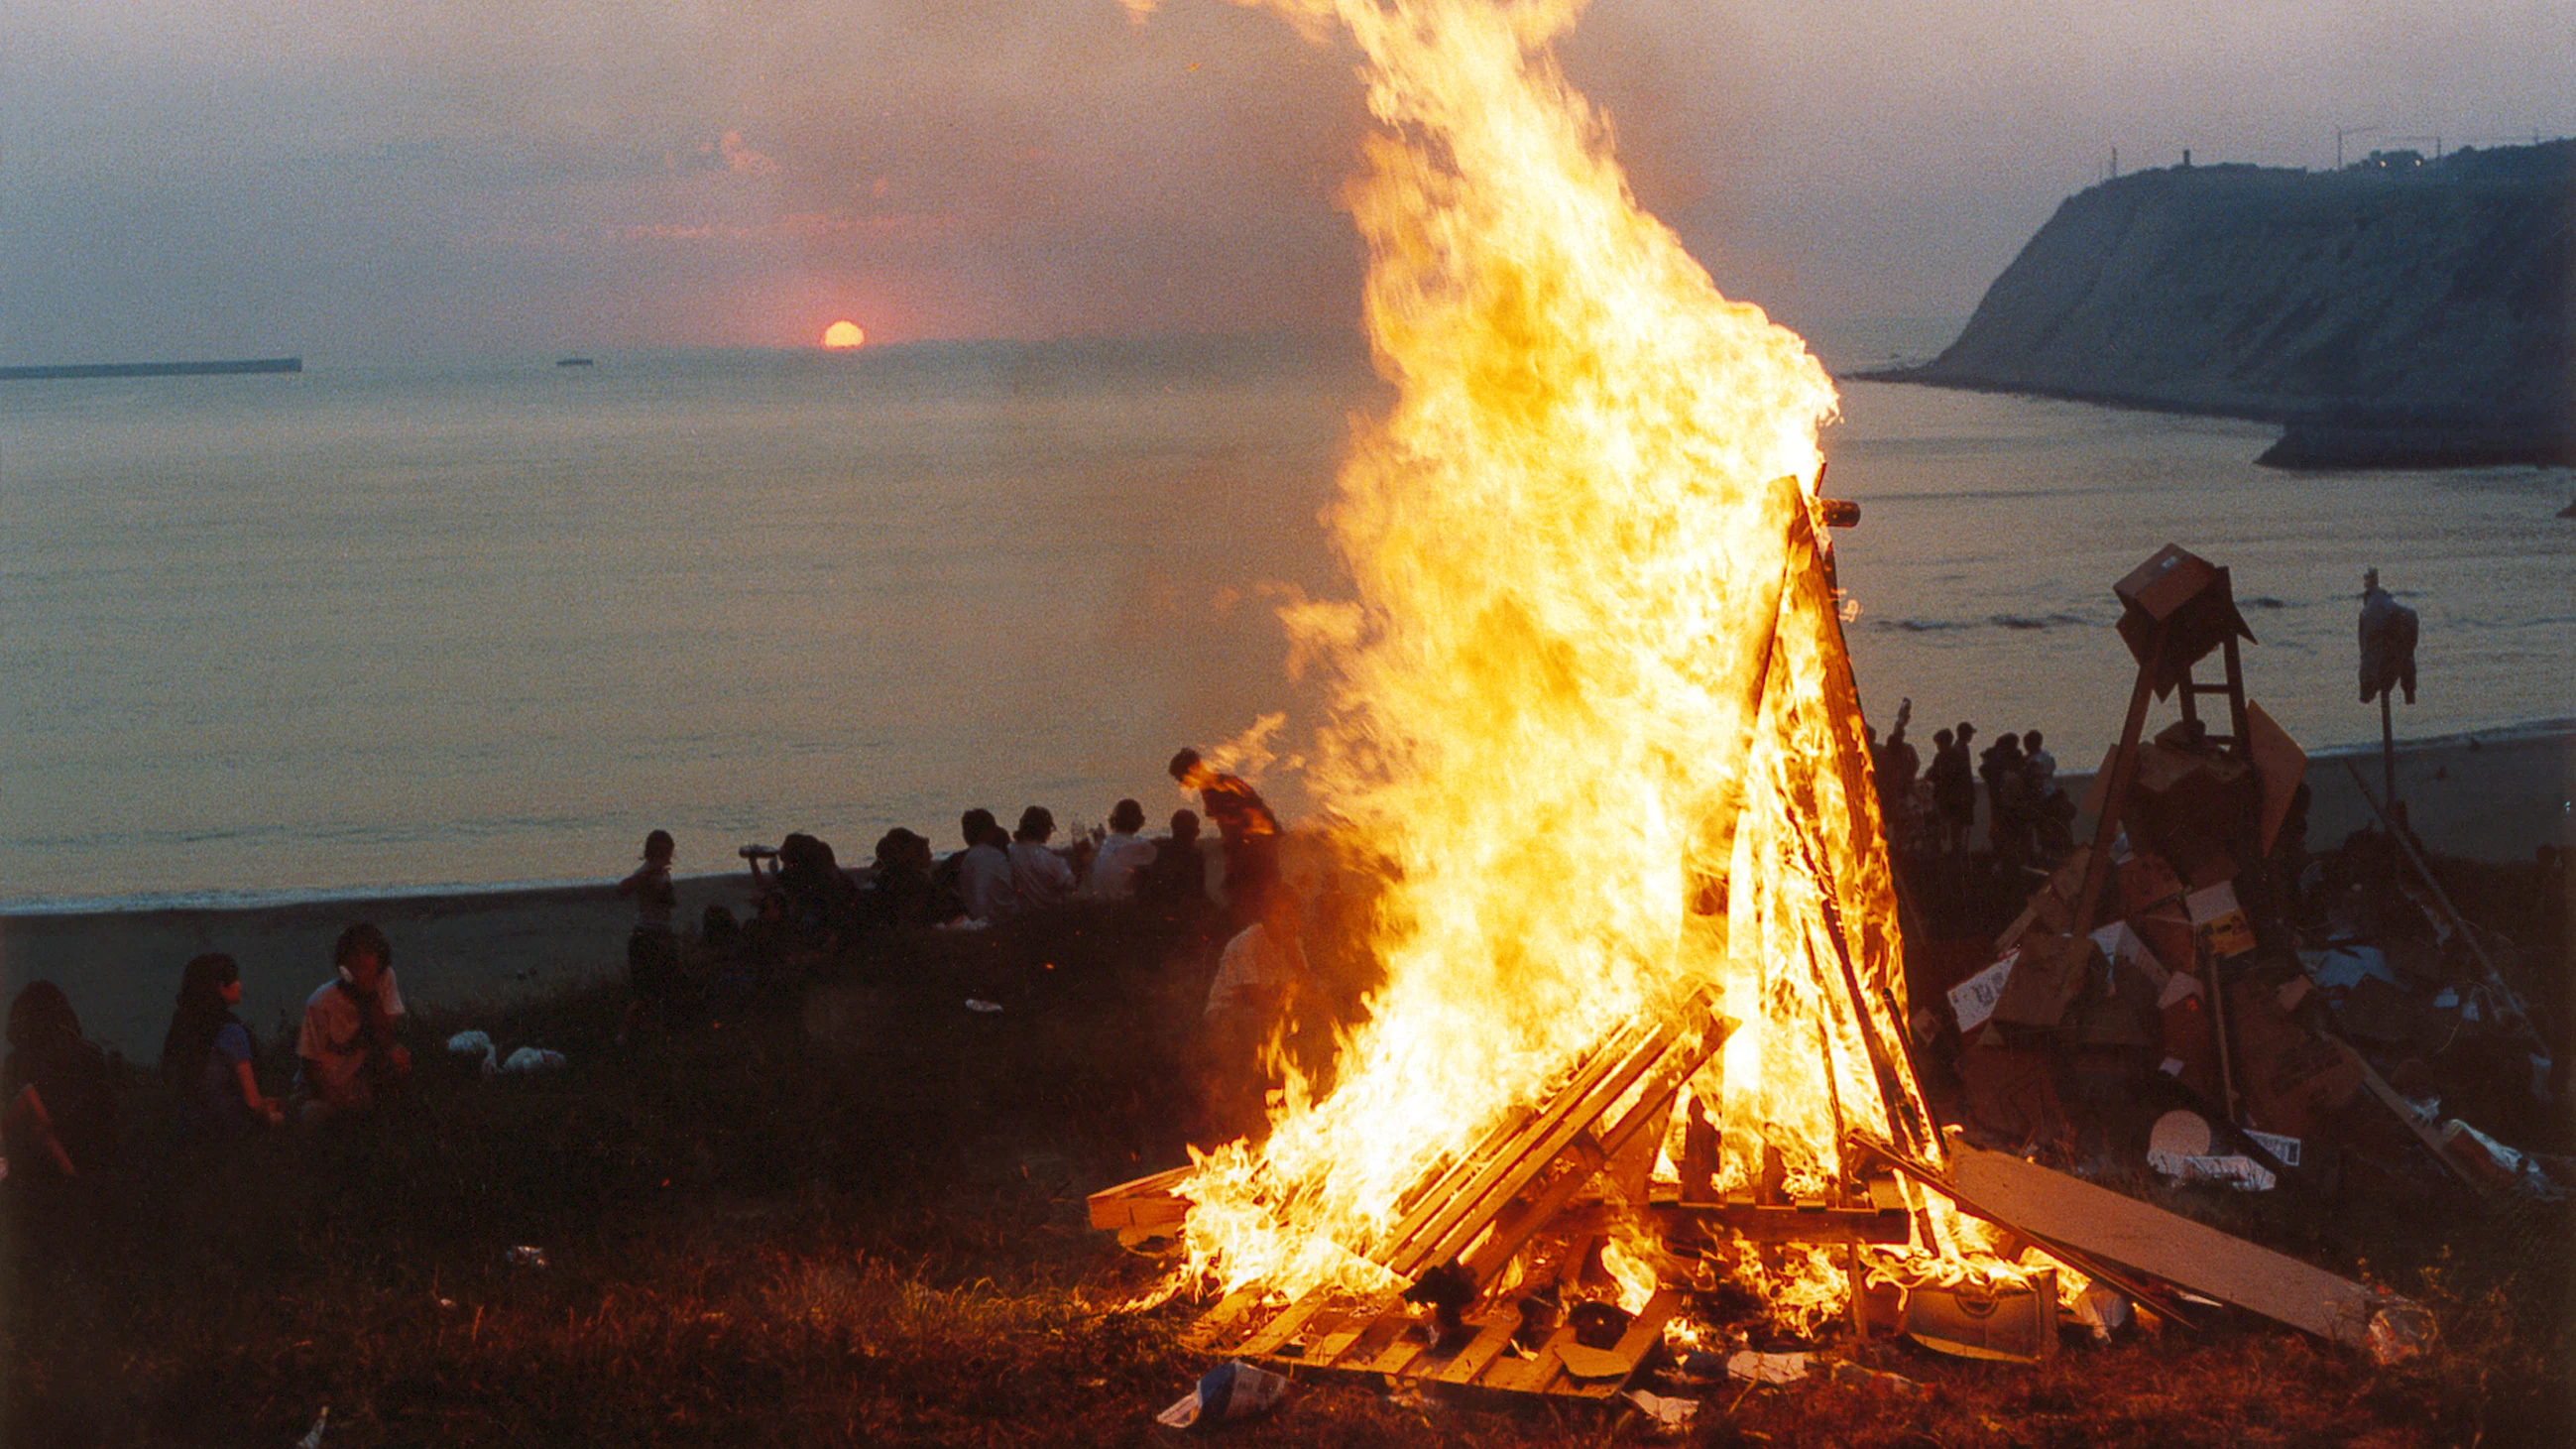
(2424, 872)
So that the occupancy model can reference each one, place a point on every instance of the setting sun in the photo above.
(844, 333)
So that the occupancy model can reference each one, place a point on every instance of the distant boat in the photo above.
(150, 369)
(574, 362)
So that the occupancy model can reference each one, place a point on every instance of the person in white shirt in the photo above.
(1261, 981)
(1123, 856)
(1039, 876)
(984, 870)
(349, 1046)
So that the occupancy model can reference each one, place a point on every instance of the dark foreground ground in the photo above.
(854, 1214)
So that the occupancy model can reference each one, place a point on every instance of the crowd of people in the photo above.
(60, 1124)
(1930, 809)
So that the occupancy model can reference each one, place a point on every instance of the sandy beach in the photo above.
(2489, 796)
(122, 968)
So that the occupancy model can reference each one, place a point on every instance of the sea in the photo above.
(428, 626)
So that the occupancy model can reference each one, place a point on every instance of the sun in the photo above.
(844, 333)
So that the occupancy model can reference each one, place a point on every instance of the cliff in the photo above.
(2386, 317)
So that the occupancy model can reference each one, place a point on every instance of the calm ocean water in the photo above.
(354, 629)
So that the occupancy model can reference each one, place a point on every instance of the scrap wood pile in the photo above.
(2191, 982)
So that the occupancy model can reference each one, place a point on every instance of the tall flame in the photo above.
(1568, 539)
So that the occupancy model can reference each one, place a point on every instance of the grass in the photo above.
(853, 1213)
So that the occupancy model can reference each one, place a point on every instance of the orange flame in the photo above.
(1568, 539)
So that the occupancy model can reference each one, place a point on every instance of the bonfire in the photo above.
(1643, 981)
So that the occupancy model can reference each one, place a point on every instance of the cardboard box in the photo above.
(2291, 1079)
(2186, 599)
(2147, 882)
(2126, 948)
(1972, 1001)
(2218, 924)
(2168, 934)
(2279, 763)
(2190, 1041)
(2049, 972)
(2010, 1095)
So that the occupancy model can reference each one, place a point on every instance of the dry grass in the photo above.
(854, 1215)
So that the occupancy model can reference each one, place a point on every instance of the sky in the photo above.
(381, 179)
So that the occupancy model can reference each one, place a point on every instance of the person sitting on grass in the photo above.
(1124, 855)
(901, 892)
(1177, 879)
(350, 1052)
(60, 1122)
(985, 891)
(1039, 877)
(207, 1057)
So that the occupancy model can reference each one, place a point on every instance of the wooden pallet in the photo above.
(1380, 1340)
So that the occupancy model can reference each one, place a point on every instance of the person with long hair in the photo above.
(60, 1121)
(207, 1055)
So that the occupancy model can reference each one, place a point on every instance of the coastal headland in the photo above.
(2399, 313)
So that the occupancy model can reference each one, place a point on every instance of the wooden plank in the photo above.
(1535, 1374)
(1216, 1321)
(1514, 1230)
(1493, 1335)
(1417, 1203)
(1474, 1215)
(1467, 1182)
(1335, 1343)
(1283, 1325)
(1399, 1355)
(1887, 1195)
(1145, 1202)
(1387, 1330)
(1641, 1335)
(1568, 1112)
(2203, 1260)
(2405, 1112)
(1757, 1223)
(2148, 1291)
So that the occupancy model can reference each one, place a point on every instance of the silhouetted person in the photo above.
(1954, 787)
(820, 899)
(1177, 880)
(1124, 857)
(1895, 765)
(984, 888)
(1246, 826)
(1039, 877)
(207, 1058)
(652, 948)
(60, 1122)
(900, 895)
(2007, 803)
(2052, 815)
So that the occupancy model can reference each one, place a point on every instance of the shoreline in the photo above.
(2483, 794)
(2314, 438)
